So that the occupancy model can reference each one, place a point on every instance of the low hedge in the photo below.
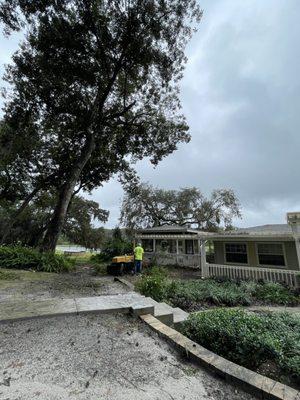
(193, 294)
(19, 257)
(256, 341)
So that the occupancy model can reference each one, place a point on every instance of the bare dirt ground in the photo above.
(91, 357)
(40, 285)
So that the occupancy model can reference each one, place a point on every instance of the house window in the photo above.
(172, 246)
(270, 254)
(189, 247)
(166, 246)
(236, 253)
(180, 247)
(147, 245)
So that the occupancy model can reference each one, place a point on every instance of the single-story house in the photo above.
(174, 245)
(269, 252)
(266, 246)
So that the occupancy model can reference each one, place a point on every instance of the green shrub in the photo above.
(114, 247)
(100, 268)
(156, 271)
(193, 294)
(275, 293)
(96, 258)
(249, 339)
(154, 284)
(19, 257)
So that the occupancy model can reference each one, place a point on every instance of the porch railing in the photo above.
(184, 260)
(290, 277)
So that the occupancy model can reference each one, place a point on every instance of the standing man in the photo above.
(138, 258)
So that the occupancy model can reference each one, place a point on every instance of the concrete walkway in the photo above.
(124, 303)
(98, 304)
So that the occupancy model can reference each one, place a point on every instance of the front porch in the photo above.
(185, 249)
(182, 260)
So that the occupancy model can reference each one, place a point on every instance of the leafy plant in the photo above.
(193, 294)
(100, 269)
(154, 284)
(19, 257)
(249, 339)
(275, 293)
(114, 247)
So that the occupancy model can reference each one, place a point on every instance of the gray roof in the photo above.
(276, 229)
(262, 231)
(272, 231)
(174, 231)
(169, 229)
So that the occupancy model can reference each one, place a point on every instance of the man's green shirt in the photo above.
(138, 253)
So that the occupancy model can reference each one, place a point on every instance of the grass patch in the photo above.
(268, 343)
(192, 295)
(26, 258)
(100, 269)
(99, 265)
(81, 259)
(8, 276)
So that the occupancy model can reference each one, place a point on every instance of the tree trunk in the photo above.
(18, 212)
(65, 196)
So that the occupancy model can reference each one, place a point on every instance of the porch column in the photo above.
(297, 244)
(293, 219)
(153, 256)
(204, 265)
(177, 251)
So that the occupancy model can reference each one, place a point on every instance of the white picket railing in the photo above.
(184, 260)
(290, 277)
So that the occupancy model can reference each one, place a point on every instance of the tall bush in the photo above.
(112, 249)
(19, 257)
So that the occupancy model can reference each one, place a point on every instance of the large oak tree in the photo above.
(95, 82)
(145, 206)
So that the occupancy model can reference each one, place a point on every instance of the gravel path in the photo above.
(91, 357)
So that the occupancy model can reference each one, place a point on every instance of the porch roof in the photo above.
(168, 229)
(173, 232)
(263, 232)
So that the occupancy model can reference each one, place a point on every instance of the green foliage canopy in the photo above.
(31, 225)
(146, 206)
(95, 83)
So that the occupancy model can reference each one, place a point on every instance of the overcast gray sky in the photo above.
(241, 97)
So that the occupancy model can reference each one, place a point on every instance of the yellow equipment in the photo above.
(121, 265)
